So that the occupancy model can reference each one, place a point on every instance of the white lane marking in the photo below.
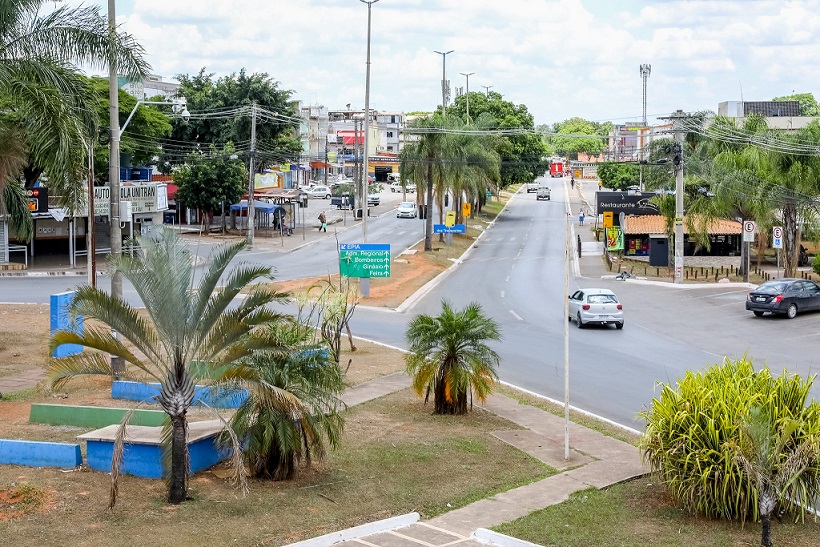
(502, 294)
(508, 278)
(516, 315)
(741, 291)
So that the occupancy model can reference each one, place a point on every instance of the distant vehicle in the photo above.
(373, 196)
(406, 209)
(321, 192)
(532, 186)
(786, 296)
(557, 169)
(408, 187)
(595, 306)
(543, 193)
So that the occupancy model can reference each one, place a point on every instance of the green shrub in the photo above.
(815, 264)
(694, 433)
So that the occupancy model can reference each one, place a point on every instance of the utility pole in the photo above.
(90, 236)
(645, 71)
(677, 161)
(467, 75)
(366, 126)
(444, 55)
(487, 88)
(251, 173)
(566, 329)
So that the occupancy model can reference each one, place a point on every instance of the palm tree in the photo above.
(42, 90)
(449, 357)
(13, 157)
(292, 411)
(185, 322)
(776, 464)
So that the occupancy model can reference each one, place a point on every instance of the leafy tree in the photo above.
(617, 175)
(13, 157)
(773, 457)
(42, 91)
(209, 181)
(694, 437)
(293, 409)
(183, 323)
(274, 135)
(572, 146)
(808, 104)
(450, 358)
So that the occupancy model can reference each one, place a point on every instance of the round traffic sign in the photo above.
(778, 232)
(748, 226)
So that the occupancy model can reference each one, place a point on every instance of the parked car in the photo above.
(408, 187)
(321, 192)
(786, 296)
(595, 306)
(406, 209)
(373, 196)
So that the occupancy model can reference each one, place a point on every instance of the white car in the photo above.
(595, 306)
(373, 198)
(406, 209)
(321, 192)
(409, 187)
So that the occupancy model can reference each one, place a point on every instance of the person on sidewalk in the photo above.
(581, 217)
(600, 185)
(323, 222)
(572, 182)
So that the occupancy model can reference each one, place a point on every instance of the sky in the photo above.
(560, 58)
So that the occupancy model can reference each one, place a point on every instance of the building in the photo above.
(151, 86)
(767, 109)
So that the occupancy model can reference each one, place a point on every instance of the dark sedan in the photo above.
(784, 296)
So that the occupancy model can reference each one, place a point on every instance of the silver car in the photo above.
(599, 306)
(406, 209)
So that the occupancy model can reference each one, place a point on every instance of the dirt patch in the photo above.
(23, 338)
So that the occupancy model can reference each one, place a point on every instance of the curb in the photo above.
(359, 531)
(489, 537)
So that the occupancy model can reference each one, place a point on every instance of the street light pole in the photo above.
(251, 169)
(114, 158)
(467, 75)
(366, 124)
(444, 55)
(487, 87)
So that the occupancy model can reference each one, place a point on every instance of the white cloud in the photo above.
(561, 58)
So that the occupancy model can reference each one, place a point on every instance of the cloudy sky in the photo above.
(561, 58)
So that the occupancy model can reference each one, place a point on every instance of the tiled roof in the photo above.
(654, 224)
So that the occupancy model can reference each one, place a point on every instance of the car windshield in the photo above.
(406, 205)
(602, 299)
(772, 287)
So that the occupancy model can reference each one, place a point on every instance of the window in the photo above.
(389, 134)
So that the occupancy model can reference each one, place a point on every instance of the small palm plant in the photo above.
(185, 323)
(293, 409)
(450, 358)
(774, 460)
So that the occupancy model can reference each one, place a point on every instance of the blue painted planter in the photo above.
(208, 395)
(142, 456)
(40, 454)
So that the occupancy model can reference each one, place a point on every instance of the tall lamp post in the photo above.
(444, 55)
(467, 75)
(114, 158)
(366, 125)
(487, 88)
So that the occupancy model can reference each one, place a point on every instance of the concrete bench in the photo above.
(142, 456)
(40, 454)
(205, 395)
(91, 416)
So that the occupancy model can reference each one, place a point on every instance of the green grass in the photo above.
(641, 513)
(21, 394)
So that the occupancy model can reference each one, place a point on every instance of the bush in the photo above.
(815, 264)
(694, 432)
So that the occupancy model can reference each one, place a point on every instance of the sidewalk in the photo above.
(595, 461)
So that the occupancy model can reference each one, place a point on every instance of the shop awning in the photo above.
(319, 165)
(257, 206)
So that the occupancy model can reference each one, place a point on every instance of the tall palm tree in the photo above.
(450, 358)
(293, 409)
(41, 88)
(776, 462)
(13, 157)
(186, 321)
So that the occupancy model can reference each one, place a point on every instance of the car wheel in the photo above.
(791, 312)
(327, 196)
(578, 319)
(758, 314)
(619, 326)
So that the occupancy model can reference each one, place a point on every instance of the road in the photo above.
(516, 272)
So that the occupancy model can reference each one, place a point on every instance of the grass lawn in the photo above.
(641, 513)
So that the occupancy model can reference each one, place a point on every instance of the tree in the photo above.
(774, 458)
(207, 182)
(274, 138)
(617, 175)
(43, 92)
(808, 104)
(450, 358)
(571, 145)
(292, 410)
(13, 157)
(183, 323)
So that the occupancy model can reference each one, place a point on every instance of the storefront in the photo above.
(724, 235)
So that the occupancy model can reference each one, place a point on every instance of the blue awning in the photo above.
(262, 206)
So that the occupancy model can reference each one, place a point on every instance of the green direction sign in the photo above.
(364, 260)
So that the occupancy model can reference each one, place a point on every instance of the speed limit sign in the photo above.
(749, 228)
(777, 237)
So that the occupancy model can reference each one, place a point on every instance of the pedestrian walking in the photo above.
(323, 222)
(572, 183)
(581, 217)
(600, 185)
